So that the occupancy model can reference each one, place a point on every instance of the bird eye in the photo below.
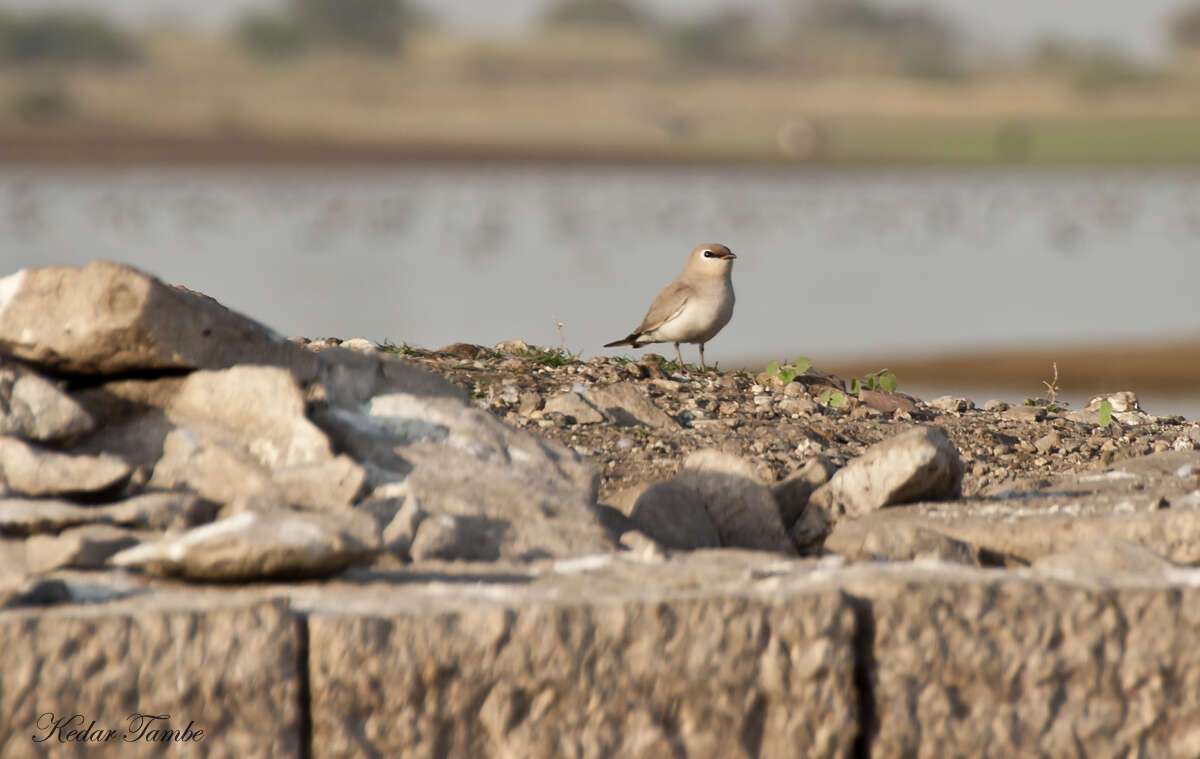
(708, 254)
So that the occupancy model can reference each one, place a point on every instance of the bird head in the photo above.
(710, 260)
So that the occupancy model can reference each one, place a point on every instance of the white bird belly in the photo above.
(698, 322)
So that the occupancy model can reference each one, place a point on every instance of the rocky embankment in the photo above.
(328, 549)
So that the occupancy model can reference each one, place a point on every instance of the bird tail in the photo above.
(631, 340)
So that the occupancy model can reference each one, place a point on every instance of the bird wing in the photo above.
(666, 306)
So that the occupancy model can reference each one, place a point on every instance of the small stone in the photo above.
(1025, 413)
(1121, 402)
(572, 405)
(642, 545)
(529, 403)
(627, 406)
(921, 464)
(887, 402)
(360, 345)
(1047, 443)
(953, 404)
(797, 405)
(510, 347)
(995, 406)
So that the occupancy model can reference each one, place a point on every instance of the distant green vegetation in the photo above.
(63, 37)
(369, 26)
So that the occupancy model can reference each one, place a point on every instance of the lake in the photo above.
(831, 263)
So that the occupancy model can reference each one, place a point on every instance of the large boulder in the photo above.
(108, 318)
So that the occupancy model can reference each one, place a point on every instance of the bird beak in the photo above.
(728, 257)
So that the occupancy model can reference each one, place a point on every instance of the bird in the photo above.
(694, 307)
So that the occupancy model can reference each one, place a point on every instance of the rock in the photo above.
(259, 408)
(349, 379)
(643, 546)
(160, 511)
(1110, 673)
(254, 545)
(399, 533)
(741, 674)
(1047, 443)
(449, 538)
(921, 464)
(234, 674)
(86, 547)
(529, 403)
(573, 405)
(626, 405)
(223, 474)
(30, 591)
(108, 318)
(741, 508)
(509, 347)
(26, 516)
(995, 406)
(810, 530)
(859, 540)
(359, 345)
(34, 409)
(33, 471)
(533, 497)
(625, 499)
(464, 351)
(1025, 413)
(1104, 557)
(952, 404)
(674, 515)
(797, 405)
(333, 484)
(1121, 402)
(793, 493)
(887, 402)
(213, 471)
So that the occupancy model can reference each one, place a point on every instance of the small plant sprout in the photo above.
(832, 398)
(788, 372)
(1106, 410)
(880, 380)
(1052, 386)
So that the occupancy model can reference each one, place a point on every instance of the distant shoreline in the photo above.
(1150, 367)
(57, 146)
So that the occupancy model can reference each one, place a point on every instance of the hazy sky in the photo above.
(1136, 25)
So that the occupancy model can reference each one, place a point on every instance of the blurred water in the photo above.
(831, 263)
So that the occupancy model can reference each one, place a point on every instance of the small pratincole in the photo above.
(694, 307)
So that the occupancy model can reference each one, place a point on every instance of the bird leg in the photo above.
(702, 367)
(679, 358)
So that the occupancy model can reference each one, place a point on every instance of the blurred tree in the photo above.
(620, 13)
(917, 41)
(269, 37)
(372, 25)
(726, 38)
(1092, 67)
(1183, 29)
(63, 37)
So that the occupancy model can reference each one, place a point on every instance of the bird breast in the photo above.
(702, 317)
